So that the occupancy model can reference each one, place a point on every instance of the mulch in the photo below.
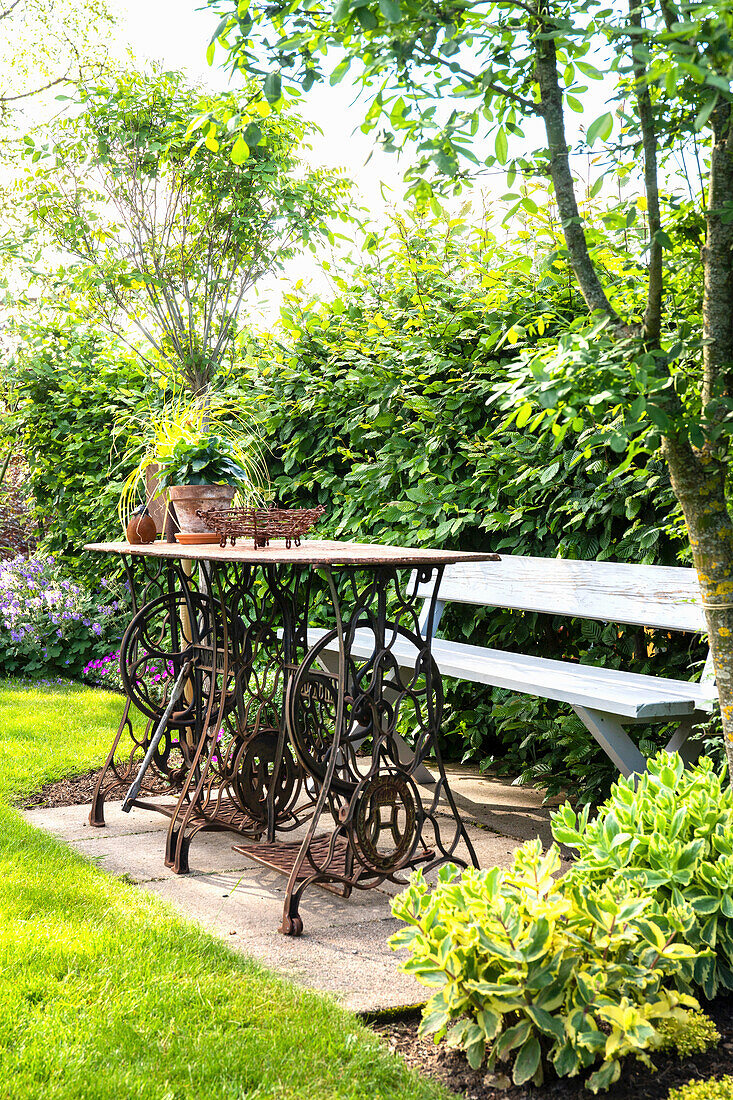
(77, 790)
(636, 1082)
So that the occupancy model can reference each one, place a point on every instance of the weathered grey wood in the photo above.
(708, 672)
(613, 739)
(684, 741)
(424, 620)
(626, 694)
(667, 597)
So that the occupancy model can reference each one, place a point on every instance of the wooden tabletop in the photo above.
(310, 552)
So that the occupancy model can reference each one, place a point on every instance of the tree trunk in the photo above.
(698, 481)
(652, 326)
(717, 256)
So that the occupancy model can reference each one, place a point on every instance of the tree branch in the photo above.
(551, 109)
(7, 11)
(717, 253)
(652, 325)
(36, 91)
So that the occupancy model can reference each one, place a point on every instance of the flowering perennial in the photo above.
(51, 624)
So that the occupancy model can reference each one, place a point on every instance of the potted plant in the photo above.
(199, 454)
(200, 474)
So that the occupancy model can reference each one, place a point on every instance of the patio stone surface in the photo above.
(343, 950)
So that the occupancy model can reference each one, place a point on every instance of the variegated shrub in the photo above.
(531, 969)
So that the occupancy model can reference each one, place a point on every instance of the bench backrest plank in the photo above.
(666, 597)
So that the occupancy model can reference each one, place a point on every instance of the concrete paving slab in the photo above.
(343, 950)
(71, 823)
(518, 812)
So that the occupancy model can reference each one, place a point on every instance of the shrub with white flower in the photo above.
(51, 624)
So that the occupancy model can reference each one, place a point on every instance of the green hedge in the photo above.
(70, 387)
(378, 405)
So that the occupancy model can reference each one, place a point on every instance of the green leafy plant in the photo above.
(704, 1090)
(199, 441)
(691, 1036)
(538, 970)
(210, 460)
(670, 833)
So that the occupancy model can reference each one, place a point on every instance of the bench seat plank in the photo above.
(666, 597)
(627, 694)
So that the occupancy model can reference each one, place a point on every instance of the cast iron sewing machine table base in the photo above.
(258, 732)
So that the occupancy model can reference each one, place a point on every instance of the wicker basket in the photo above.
(275, 523)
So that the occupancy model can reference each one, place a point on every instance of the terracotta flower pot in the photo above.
(188, 499)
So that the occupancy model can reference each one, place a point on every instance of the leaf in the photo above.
(367, 19)
(523, 415)
(589, 70)
(664, 239)
(501, 145)
(550, 1025)
(566, 1062)
(391, 10)
(705, 112)
(604, 1077)
(253, 134)
(602, 128)
(272, 87)
(240, 151)
(512, 1038)
(527, 1061)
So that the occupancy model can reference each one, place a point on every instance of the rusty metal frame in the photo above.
(269, 740)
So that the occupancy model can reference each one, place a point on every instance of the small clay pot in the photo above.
(189, 499)
(141, 528)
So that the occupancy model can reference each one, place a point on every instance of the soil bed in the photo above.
(636, 1082)
(77, 790)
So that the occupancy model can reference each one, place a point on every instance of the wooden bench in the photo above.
(606, 700)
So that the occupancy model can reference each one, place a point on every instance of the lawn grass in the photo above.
(107, 994)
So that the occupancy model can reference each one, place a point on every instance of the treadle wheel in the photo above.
(387, 822)
(313, 699)
(252, 772)
(161, 637)
(292, 926)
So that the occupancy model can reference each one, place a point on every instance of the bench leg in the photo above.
(421, 775)
(684, 741)
(613, 739)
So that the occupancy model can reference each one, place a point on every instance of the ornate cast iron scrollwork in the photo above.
(364, 711)
(254, 772)
(271, 734)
